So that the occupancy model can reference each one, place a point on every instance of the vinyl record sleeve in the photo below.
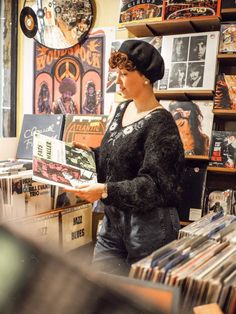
(190, 61)
(86, 129)
(136, 12)
(227, 38)
(190, 9)
(50, 125)
(225, 92)
(194, 120)
(223, 149)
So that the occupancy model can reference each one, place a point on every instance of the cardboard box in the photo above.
(76, 225)
(42, 228)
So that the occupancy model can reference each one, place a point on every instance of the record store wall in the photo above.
(107, 13)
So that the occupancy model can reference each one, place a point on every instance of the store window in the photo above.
(8, 64)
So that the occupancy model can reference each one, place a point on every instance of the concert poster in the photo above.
(70, 80)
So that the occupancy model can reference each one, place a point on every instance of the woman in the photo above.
(139, 165)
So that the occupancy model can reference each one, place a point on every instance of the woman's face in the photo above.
(130, 83)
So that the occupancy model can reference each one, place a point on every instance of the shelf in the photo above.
(224, 113)
(221, 170)
(185, 94)
(170, 27)
(228, 14)
(197, 157)
(227, 58)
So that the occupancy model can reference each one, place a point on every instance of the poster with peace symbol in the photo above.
(70, 80)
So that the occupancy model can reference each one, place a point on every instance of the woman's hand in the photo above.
(89, 192)
(80, 145)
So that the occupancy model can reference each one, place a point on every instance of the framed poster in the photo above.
(70, 80)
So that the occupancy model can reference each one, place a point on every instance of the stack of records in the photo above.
(211, 225)
(204, 270)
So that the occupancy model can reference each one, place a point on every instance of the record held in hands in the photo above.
(28, 22)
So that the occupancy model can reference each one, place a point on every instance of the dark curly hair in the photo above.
(67, 84)
(120, 60)
(195, 121)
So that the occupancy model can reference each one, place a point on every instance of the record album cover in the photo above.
(190, 9)
(86, 129)
(225, 92)
(223, 149)
(228, 4)
(190, 61)
(60, 164)
(136, 12)
(30, 196)
(50, 125)
(194, 120)
(227, 38)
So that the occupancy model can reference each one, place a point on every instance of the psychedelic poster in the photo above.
(70, 80)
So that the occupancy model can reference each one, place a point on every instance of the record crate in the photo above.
(76, 226)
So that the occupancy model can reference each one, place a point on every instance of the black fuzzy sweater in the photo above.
(142, 163)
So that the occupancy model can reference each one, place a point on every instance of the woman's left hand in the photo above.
(89, 192)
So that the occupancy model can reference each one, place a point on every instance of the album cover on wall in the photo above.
(218, 201)
(50, 125)
(190, 9)
(194, 120)
(190, 61)
(136, 12)
(86, 129)
(225, 92)
(223, 149)
(227, 38)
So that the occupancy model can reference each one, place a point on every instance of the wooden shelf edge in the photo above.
(185, 94)
(228, 10)
(226, 55)
(224, 113)
(228, 14)
(221, 170)
(197, 157)
(227, 58)
(179, 26)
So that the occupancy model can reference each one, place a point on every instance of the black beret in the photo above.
(145, 57)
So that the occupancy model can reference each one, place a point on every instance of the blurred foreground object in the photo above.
(33, 278)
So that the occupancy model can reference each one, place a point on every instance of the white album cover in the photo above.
(190, 61)
(194, 120)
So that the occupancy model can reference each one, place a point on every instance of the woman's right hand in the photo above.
(80, 145)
